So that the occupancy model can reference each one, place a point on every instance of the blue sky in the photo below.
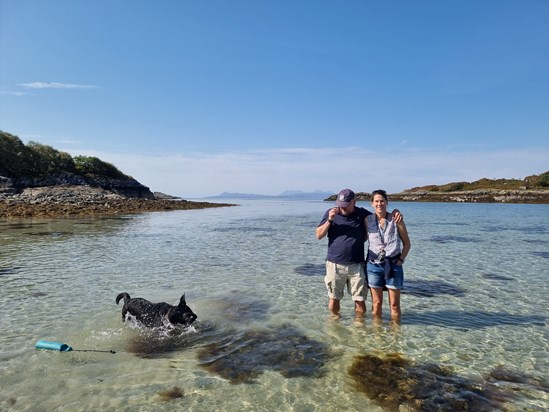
(195, 98)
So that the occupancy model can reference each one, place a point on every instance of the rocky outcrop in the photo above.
(540, 196)
(6, 186)
(476, 196)
(471, 196)
(160, 195)
(127, 187)
(70, 200)
(72, 195)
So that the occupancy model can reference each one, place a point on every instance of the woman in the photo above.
(388, 246)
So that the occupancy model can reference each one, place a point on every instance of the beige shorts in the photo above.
(338, 276)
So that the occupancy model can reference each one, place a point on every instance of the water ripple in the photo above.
(429, 288)
(452, 238)
(473, 319)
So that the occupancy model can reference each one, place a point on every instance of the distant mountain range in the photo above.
(289, 194)
(532, 189)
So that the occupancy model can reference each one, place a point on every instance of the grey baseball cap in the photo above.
(345, 197)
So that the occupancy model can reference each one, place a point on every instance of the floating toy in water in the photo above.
(63, 347)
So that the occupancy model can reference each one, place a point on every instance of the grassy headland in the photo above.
(532, 189)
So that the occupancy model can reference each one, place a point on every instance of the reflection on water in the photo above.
(473, 332)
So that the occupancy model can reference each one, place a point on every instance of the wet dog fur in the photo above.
(155, 315)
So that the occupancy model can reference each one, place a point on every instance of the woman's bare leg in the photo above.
(377, 301)
(394, 301)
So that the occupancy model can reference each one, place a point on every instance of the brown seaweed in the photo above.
(171, 394)
(243, 356)
(393, 381)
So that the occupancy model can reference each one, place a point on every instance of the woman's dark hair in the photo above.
(379, 192)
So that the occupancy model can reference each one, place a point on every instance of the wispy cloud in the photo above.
(10, 93)
(273, 172)
(54, 85)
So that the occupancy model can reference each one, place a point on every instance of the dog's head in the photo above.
(181, 314)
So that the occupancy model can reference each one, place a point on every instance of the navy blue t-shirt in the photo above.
(346, 236)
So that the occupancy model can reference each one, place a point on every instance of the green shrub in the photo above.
(38, 160)
(14, 156)
(455, 187)
(94, 167)
(543, 179)
(45, 160)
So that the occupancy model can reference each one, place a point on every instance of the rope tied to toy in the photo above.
(63, 347)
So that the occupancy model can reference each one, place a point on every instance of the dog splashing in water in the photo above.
(154, 315)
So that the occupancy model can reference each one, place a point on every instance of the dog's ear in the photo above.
(182, 302)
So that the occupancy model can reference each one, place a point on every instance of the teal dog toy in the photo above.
(63, 347)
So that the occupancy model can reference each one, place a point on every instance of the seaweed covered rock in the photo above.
(394, 382)
(242, 357)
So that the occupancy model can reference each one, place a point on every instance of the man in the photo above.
(345, 225)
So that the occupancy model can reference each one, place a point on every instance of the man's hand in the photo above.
(333, 211)
(322, 230)
(397, 216)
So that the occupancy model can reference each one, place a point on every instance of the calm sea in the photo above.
(474, 330)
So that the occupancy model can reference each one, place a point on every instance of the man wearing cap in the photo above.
(345, 225)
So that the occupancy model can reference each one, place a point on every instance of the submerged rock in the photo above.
(242, 357)
(394, 382)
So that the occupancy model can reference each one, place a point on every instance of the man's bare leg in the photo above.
(333, 305)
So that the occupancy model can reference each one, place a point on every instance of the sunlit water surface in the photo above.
(475, 302)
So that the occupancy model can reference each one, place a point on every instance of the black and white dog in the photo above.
(156, 314)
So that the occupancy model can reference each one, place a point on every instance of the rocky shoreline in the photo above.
(470, 196)
(531, 196)
(76, 200)
(79, 200)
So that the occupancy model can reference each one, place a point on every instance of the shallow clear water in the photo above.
(476, 301)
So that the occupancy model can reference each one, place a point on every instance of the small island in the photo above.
(39, 181)
(532, 189)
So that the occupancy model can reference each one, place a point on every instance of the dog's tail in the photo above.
(124, 296)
